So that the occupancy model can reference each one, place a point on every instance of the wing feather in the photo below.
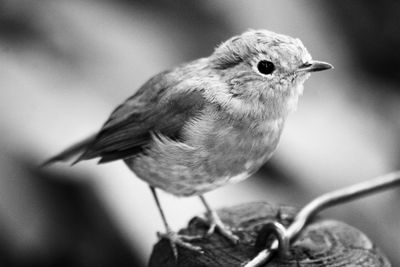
(157, 107)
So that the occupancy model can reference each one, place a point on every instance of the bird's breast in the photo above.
(244, 147)
(214, 153)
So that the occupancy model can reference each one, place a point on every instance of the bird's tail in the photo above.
(71, 152)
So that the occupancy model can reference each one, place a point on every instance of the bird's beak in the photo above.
(314, 66)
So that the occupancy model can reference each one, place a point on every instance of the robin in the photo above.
(207, 123)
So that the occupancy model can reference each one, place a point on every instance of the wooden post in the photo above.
(322, 243)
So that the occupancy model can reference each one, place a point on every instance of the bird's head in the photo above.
(264, 71)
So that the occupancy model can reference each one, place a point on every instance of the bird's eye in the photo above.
(265, 67)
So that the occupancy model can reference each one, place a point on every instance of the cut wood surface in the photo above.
(322, 243)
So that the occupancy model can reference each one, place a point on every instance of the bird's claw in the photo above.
(215, 223)
(179, 240)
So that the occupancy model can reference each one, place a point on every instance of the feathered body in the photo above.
(211, 121)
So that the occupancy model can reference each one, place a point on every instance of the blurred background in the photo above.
(64, 66)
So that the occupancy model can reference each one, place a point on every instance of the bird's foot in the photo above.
(215, 223)
(176, 239)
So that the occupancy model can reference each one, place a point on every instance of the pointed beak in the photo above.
(314, 66)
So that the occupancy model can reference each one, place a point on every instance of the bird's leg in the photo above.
(216, 223)
(173, 237)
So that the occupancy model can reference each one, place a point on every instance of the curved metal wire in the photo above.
(289, 235)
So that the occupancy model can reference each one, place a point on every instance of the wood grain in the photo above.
(323, 242)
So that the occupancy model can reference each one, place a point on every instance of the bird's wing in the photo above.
(162, 105)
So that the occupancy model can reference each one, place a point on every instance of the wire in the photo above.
(284, 237)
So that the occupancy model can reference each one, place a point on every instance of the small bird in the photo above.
(207, 123)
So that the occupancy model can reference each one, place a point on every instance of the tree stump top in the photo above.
(322, 243)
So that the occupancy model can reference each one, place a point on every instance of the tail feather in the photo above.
(72, 152)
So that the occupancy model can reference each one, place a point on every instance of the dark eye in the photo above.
(265, 67)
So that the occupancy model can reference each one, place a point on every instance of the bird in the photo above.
(206, 123)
